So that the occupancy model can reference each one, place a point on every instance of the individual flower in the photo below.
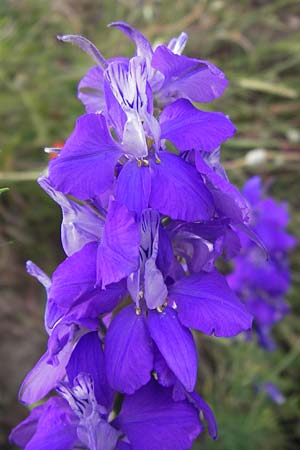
(82, 415)
(137, 154)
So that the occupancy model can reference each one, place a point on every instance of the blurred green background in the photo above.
(257, 44)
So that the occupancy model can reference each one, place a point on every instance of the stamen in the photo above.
(138, 311)
(157, 160)
(139, 163)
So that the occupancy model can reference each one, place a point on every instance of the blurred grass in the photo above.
(257, 44)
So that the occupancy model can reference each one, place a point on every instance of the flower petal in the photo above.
(85, 166)
(44, 376)
(228, 199)
(74, 279)
(178, 191)
(205, 302)
(197, 80)
(86, 45)
(150, 417)
(56, 428)
(176, 345)
(207, 414)
(189, 128)
(91, 91)
(133, 187)
(118, 252)
(88, 357)
(80, 223)
(128, 351)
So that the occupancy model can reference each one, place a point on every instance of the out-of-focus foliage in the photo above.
(256, 43)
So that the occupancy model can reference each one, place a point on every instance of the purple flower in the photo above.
(261, 282)
(139, 153)
(171, 75)
(162, 316)
(82, 416)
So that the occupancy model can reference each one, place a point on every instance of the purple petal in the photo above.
(85, 166)
(75, 278)
(118, 252)
(133, 187)
(88, 357)
(143, 46)
(91, 91)
(207, 414)
(165, 376)
(205, 302)
(253, 190)
(23, 432)
(178, 191)
(152, 420)
(176, 345)
(128, 351)
(190, 78)
(56, 428)
(123, 446)
(228, 199)
(100, 301)
(189, 128)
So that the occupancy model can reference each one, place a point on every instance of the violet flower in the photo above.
(263, 283)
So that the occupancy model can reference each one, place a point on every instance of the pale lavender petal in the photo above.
(91, 91)
(177, 44)
(176, 344)
(197, 80)
(44, 376)
(178, 191)
(85, 166)
(128, 82)
(102, 436)
(134, 186)
(150, 418)
(39, 274)
(128, 351)
(205, 302)
(80, 224)
(155, 289)
(189, 128)
(118, 252)
(88, 357)
(86, 45)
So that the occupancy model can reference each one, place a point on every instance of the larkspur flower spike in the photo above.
(142, 229)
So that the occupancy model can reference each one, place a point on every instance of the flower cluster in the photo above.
(263, 282)
(147, 209)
